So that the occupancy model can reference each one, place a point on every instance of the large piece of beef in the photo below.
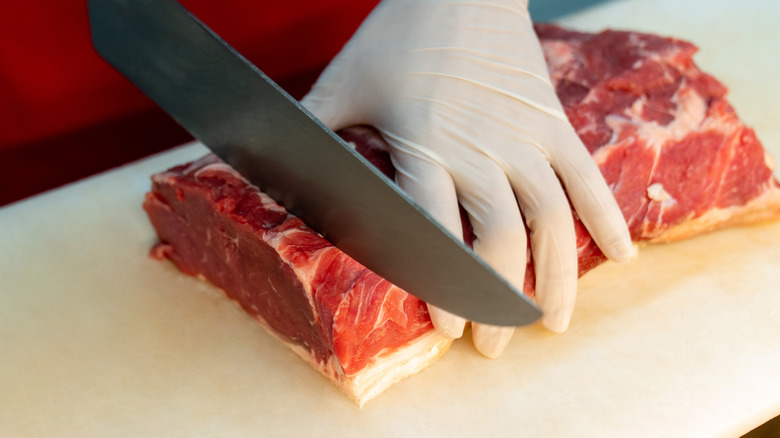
(673, 151)
(671, 148)
(352, 325)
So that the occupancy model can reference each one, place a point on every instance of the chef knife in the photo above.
(252, 124)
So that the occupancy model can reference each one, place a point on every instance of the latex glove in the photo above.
(460, 91)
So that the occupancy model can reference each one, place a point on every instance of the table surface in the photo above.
(99, 340)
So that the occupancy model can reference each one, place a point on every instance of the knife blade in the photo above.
(252, 124)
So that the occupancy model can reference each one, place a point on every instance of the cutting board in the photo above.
(99, 340)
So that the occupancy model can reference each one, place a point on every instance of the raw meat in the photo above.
(671, 148)
(355, 327)
(676, 156)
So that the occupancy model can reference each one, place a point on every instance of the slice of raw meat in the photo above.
(673, 151)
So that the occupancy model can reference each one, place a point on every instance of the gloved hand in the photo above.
(460, 91)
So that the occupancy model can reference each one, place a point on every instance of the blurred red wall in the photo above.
(65, 114)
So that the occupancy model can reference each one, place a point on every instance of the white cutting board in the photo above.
(98, 340)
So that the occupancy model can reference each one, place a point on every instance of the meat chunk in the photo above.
(671, 148)
(355, 327)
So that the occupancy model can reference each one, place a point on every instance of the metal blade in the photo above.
(267, 136)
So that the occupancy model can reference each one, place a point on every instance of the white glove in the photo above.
(460, 91)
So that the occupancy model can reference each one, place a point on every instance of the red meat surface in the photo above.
(213, 224)
(671, 148)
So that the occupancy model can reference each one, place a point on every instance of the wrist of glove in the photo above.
(460, 91)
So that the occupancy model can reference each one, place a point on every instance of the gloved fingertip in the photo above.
(628, 255)
(325, 108)
(622, 252)
(614, 240)
(446, 323)
(556, 321)
(317, 106)
(491, 341)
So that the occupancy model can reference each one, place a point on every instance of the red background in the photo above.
(65, 114)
